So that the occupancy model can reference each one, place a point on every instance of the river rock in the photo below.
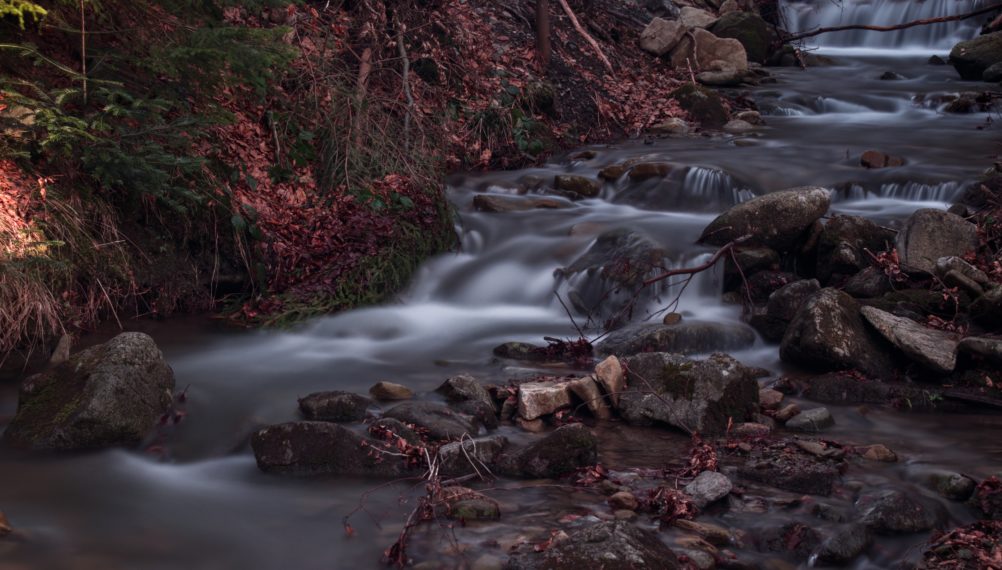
(748, 28)
(558, 453)
(107, 395)
(577, 185)
(791, 470)
(660, 36)
(869, 283)
(538, 399)
(945, 265)
(697, 396)
(726, 78)
(770, 399)
(931, 234)
(312, 448)
(953, 486)
(736, 126)
(690, 17)
(990, 348)
(878, 452)
(875, 159)
(523, 351)
(929, 347)
(843, 245)
(843, 544)
(610, 375)
(613, 545)
(746, 262)
(468, 456)
(686, 337)
(972, 57)
(467, 505)
(838, 388)
(894, 512)
(813, 420)
(390, 391)
(671, 126)
(498, 204)
(781, 307)
(440, 420)
(828, 334)
(465, 388)
(711, 53)
(987, 309)
(586, 389)
(993, 74)
(775, 220)
(334, 406)
(708, 487)
(702, 105)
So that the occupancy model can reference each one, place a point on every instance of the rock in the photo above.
(538, 399)
(748, 28)
(613, 545)
(586, 389)
(729, 6)
(990, 348)
(441, 421)
(843, 243)
(993, 74)
(579, 185)
(690, 17)
(334, 406)
(987, 309)
(698, 396)
(894, 512)
(708, 487)
(929, 347)
(465, 388)
(660, 36)
(795, 538)
(531, 426)
(748, 261)
(564, 450)
(107, 395)
(503, 204)
(877, 159)
(312, 448)
(931, 234)
(957, 279)
(623, 500)
(648, 170)
(936, 60)
(972, 57)
(782, 307)
(701, 105)
(751, 117)
(775, 220)
(711, 53)
(987, 499)
(671, 126)
(844, 544)
(838, 388)
(891, 76)
(461, 458)
(520, 351)
(613, 172)
(725, 78)
(389, 428)
(610, 375)
(791, 470)
(953, 486)
(467, 505)
(687, 337)
(390, 391)
(878, 452)
(869, 283)
(828, 334)
(738, 127)
(770, 399)
(786, 413)
(813, 420)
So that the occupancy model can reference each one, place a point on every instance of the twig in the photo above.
(703, 267)
(912, 24)
(406, 64)
(591, 41)
(569, 315)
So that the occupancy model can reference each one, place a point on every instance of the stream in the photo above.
(206, 505)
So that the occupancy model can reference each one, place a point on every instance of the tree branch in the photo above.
(912, 24)
(693, 270)
(591, 41)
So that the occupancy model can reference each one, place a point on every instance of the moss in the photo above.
(675, 380)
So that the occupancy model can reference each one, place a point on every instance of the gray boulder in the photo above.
(843, 244)
(468, 456)
(314, 448)
(843, 544)
(697, 396)
(972, 57)
(775, 220)
(748, 28)
(709, 54)
(613, 545)
(987, 309)
(334, 406)
(813, 420)
(465, 388)
(781, 307)
(558, 453)
(708, 487)
(690, 17)
(829, 334)
(441, 421)
(687, 337)
(107, 395)
(931, 234)
(934, 349)
(894, 512)
(660, 36)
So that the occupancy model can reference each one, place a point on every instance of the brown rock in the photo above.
(388, 391)
(787, 412)
(588, 391)
(531, 426)
(623, 500)
(877, 159)
(538, 399)
(770, 399)
(648, 170)
(879, 452)
(610, 375)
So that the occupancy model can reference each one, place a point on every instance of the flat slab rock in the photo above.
(614, 545)
(932, 348)
(313, 448)
(687, 337)
(789, 468)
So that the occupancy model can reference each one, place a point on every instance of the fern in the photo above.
(22, 10)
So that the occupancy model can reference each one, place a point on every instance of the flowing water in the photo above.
(205, 505)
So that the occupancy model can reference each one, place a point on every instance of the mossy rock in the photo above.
(703, 105)
(749, 29)
(972, 57)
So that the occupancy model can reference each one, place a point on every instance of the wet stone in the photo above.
(441, 421)
(334, 406)
(708, 487)
(894, 512)
(813, 420)
(791, 470)
(389, 391)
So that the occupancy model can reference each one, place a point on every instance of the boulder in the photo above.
(843, 544)
(829, 334)
(577, 185)
(702, 105)
(465, 388)
(468, 456)
(813, 420)
(987, 309)
(334, 406)
(775, 220)
(586, 389)
(711, 53)
(612, 545)
(746, 262)
(993, 74)
(726, 78)
(954, 264)
(648, 170)
(708, 487)
(107, 395)
(703, 396)
(736, 126)
(953, 486)
(671, 126)
(690, 17)
(503, 204)
(838, 388)
(390, 391)
(440, 420)
(538, 399)
(869, 283)
(972, 57)
(748, 28)
(466, 505)
(313, 448)
(753, 117)
(931, 234)
(660, 36)
(791, 470)
(687, 337)
(781, 307)
(610, 375)
(523, 351)
(878, 452)
(894, 512)
(770, 399)
(934, 349)
(985, 347)
(843, 243)
(562, 451)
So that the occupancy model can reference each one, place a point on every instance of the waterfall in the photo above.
(804, 15)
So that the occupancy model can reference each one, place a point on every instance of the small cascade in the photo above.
(946, 192)
(712, 185)
(804, 15)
